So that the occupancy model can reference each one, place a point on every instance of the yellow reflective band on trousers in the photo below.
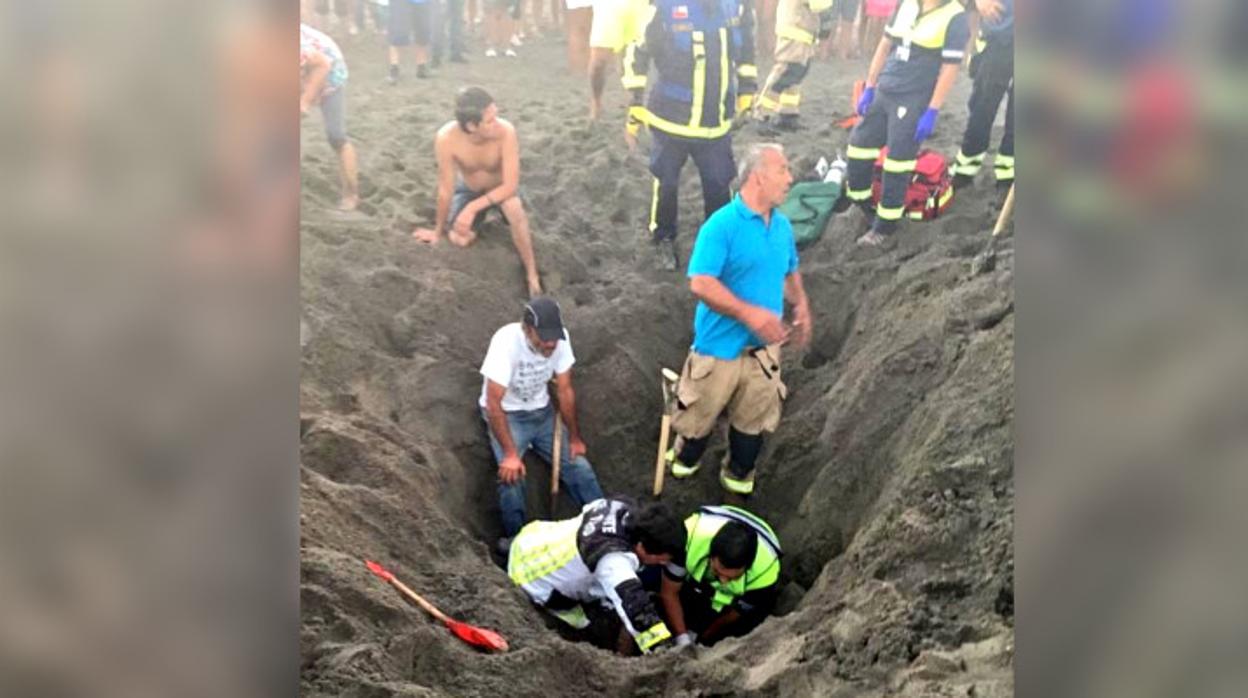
(967, 164)
(889, 214)
(676, 129)
(790, 99)
(699, 79)
(723, 72)
(858, 194)
(732, 484)
(654, 206)
(747, 71)
(766, 102)
(541, 548)
(1003, 166)
(899, 166)
(944, 199)
(795, 34)
(818, 6)
(652, 636)
(854, 152)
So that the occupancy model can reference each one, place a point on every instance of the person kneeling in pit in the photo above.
(583, 570)
(728, 583)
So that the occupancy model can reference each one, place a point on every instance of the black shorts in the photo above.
(409, 23)
(846, 9)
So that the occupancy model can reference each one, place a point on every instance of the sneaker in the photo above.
(743, 486)
(516, 41)
(665, 255)
(511, 54)
(574, 617)
(491, 53)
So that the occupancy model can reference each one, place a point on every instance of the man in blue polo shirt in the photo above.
(743, 269)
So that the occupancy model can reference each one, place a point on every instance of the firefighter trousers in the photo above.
(668, 153)
(890, 121)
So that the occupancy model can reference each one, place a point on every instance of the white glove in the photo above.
(686, 639)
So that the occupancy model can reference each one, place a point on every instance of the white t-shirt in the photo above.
(512, 364)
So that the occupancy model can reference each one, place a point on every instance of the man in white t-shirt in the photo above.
(516, 407)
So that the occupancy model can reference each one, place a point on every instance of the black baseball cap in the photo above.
(542, 314)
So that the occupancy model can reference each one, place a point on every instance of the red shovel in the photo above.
(487, 640)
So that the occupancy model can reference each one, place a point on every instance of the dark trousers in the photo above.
(448, 28)
(993, 74)
(713, 158)
(890, 121)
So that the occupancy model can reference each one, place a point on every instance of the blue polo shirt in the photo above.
(751, 258)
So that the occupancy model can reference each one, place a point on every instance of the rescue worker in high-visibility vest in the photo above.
(727, 585)
(800, 24)
(583, 570)
(915, 65)
(703, 52)
(992, 70)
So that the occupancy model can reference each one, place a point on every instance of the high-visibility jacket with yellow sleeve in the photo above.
(759, 578)
(588, 559)
(703, 55)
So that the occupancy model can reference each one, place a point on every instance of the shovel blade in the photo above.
(477, 637)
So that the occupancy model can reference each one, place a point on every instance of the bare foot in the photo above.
(871, 239)
(349, 203)
(426, 235)
(595, 110)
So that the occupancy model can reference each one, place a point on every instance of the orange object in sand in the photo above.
(852, 121)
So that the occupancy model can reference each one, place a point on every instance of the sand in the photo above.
(890, 479)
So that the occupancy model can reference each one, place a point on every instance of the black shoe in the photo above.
(665, 255)
(458, 58)
(422, 71)
(842, 205)
(394, 75)
(961, 181)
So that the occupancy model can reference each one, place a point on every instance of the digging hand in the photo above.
(511, 470)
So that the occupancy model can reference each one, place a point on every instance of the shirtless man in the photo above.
(485, 152)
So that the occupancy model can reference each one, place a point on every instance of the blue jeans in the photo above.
(536, 429)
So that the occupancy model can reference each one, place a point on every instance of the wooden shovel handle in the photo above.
(1007, 210)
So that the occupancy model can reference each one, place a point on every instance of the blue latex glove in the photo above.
(864, 102)
(927, 124)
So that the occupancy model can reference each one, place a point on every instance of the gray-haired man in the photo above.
(743, 268)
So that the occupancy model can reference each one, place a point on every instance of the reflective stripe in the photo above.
(632, 80)
(980, 43)
(791, 99)
(1003, 173)
(964, 159)
(889, 214)
(967, 165)
(766, 102)
(1003, 167)
(944, 199)
(687, 131)
(929, 30)
(854, 152)
(574, 616)
(858, 194)
(958, 55)
(723, 72)
(654, 207)
(732, 484)
(679, 469)
(747, 71)
(795, 34)
(818, 6)
(699, 79)
(540, 548)
(652, 636)
(899, 166)
(1002, 159)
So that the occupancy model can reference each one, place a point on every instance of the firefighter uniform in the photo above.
(922, 44)
(800, 24)
(703, 53)
(703, 596)
(587, 559)
(992, 70)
